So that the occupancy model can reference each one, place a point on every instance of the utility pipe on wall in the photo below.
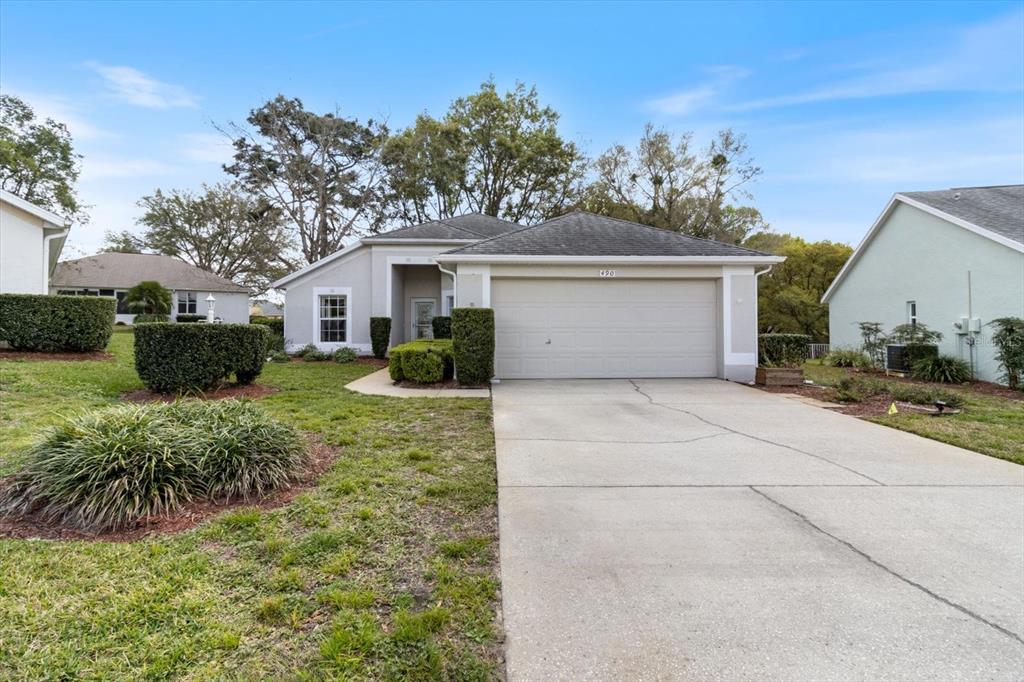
(757, 305)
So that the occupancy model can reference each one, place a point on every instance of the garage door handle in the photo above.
(548, 342)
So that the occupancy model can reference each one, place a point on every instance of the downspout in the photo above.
(455, 302)
(46, 257)
(757, 305)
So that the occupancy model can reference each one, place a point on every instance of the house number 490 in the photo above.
(605, 273)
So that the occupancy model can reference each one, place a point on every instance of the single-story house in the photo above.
(264, 308)
(31, 239)
(951, 259)
(580, 296)
(112, 274)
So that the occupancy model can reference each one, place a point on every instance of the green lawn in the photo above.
(386, 570)
(988, 424)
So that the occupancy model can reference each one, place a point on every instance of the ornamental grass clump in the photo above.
(108, 469)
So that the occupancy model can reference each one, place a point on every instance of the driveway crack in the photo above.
(870, 559)
(652, 401)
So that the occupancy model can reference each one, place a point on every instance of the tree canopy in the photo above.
(789, 298)
(37, 159)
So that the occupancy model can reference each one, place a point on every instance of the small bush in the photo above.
(344, 355)
(280, 356)
(847, 358)
(924, 395)
(408, 362)
(316, 356)
(853, 389)
(276, 324)
(188, 319)
(783, 350)
(943, 369)
(380, 335)
(110, 468)
(173, 358)
(77, 324)
(442, 327)
(308, 348)
(147, 318)
(473, 344)
(1008, 339)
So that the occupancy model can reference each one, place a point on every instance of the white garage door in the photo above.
(566, 328)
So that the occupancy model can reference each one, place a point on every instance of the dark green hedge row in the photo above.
(783, 350)
(276, 324)
(442, 327)
(380, 335)
(146, 318)
(56, 323)
(473, 344)
(425, 362)
(188, 319)
(183, 358)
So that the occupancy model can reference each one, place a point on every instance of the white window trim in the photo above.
(177, 303)
(446, 309)
(332, 291)
(912, 316)
(412, 314)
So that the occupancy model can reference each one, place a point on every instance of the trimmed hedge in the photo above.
(276, 324)
(189, 319)
(173, 358)
(56, 323)
(473, 344)
(380, 335)
(149, 318)
(442, 326)
(783, 350)
(407, 361)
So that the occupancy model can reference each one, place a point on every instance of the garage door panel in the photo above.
(560, 328)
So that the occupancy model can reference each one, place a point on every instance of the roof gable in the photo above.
(43, 214)
(125, 270)
(586, 234)
(468, 227)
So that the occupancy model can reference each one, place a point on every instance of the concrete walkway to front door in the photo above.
(703, 530)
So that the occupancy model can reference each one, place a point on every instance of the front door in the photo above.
(423, 310)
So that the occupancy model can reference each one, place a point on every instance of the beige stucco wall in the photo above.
(916, 256)
(21, 252)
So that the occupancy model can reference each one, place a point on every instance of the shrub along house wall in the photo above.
(35, 322)
(181, 358)
(473, 345)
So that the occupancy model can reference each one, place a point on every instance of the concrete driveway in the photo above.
(698, 529)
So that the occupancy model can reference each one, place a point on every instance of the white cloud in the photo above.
(207, 147)
(99, 168)
(692, 99)
(136, 88)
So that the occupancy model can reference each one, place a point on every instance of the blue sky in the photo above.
(842, 104)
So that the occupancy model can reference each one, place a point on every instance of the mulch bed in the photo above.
(321, 457)
(253, 391)
(7, 354)
(447, 384)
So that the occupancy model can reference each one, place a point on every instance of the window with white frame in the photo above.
(333, 318)
(187, 303)
(912, 312)
(449, 304)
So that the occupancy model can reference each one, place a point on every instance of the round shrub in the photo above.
(943, 369)
(316, 356)
(111, 468)
(423, 368)
(380, 335)
(473, 344)
(185, 358)
(280, 356)
(305, 350)
(76, 324)
(344, 355)
(400, 369)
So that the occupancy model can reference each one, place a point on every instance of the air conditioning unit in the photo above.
(896, 358)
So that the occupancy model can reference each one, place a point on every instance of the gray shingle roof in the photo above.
(998, 209)
(469, 226)
(124, 270)
(586, 234)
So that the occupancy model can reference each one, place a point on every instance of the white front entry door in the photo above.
(604, 328)
(423, 311)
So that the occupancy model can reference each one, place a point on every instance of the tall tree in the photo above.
(322, 171)
(789, 297)
(493, 153)
(37, 159)
(220, 228)
(666, 183)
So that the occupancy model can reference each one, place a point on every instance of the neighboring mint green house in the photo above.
(951, 259)
(578, 296)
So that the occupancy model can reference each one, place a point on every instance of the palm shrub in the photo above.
(148, 298)
(943, 369)
(110, 468)
(1008, 338)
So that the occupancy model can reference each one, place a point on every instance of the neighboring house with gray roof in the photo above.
(31, 239)
(580, 295)
(112, 274)
(951, 259)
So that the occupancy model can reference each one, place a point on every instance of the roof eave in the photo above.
(646, 260)
(51, 219)
(416, 240)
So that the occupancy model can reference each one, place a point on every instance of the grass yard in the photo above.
(386, 570)
(992, 425)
